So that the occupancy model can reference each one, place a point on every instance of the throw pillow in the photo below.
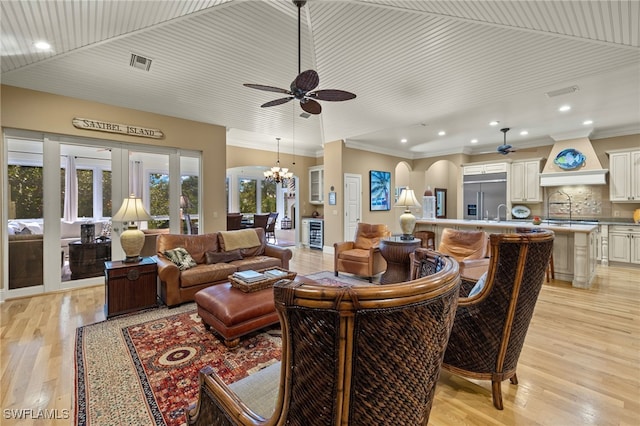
(223, 256)
(181, 257)
(479, 285)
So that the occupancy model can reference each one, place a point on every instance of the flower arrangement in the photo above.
(536, 220)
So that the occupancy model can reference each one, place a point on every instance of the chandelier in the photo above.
(278, 174)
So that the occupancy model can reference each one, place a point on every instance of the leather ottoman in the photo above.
(233, 313)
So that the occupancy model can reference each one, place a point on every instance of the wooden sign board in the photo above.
(125, 129)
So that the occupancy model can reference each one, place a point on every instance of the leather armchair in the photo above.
(470, 248)
(361, 257)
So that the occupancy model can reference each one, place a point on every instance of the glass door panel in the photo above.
(25, 213)
(85, 232)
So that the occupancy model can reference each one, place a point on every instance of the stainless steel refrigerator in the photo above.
(483, 194)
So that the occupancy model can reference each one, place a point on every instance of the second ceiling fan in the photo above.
(302, 88)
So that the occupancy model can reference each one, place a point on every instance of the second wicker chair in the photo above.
(490, 327)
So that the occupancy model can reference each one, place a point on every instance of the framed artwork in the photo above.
(441, 203)
(380, 190)
(397, 193)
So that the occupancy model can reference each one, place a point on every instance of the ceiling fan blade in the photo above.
(267, 88)
(277, 102)
(331, 95)
(311, 106)
(305, 81)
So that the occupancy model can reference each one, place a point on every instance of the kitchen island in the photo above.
(574, 247)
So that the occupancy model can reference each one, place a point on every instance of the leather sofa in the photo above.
(178, 286)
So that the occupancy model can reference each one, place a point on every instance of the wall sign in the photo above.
(125, 129)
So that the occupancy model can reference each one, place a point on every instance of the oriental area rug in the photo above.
(143, 369)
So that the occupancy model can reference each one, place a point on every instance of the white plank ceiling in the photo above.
(417, 67)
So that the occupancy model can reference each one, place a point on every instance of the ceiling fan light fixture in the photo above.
(304, 85)
(505, 148)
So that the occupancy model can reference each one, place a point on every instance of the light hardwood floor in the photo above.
(580, 364)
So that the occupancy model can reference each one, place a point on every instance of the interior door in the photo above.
(352, 204)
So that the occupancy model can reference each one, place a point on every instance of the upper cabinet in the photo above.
(624, 180)
(480, 169)
(316, 185)
(525, 181)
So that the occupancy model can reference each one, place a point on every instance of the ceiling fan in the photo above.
(302, 88)
(504, 149)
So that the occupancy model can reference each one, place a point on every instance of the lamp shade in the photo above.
(132, 210)
(132, 239)
(407, 199)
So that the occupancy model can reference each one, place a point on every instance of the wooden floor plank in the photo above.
(580, 364)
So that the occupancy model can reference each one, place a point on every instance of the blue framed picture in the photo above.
(380, 190)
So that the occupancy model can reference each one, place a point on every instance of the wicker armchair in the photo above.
(490, 327)
(361, 257)
(360, 355)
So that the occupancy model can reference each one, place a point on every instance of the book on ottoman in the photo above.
(249, 276)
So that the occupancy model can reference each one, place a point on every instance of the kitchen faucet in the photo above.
(498, 212)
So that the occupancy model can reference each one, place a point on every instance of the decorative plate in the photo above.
(569, 159)
(520, 212)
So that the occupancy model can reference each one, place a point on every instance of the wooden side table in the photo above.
(87, 259)
(396, 252)
(130, 286)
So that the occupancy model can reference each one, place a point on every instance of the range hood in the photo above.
(589, 173)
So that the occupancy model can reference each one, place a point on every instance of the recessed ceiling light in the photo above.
(564, 108)
(442, 133)
(587, 122)
(524, 133)
(494, 123)
(474, 140)
(403, 140)
(42, 45)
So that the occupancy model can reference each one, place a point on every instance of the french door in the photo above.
(59, 234)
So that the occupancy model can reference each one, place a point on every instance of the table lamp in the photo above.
(132, 239)
(407, 200)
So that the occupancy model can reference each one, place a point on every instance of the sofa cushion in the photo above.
(196, 245)
(181, 257)
(202, 274)
(223, 256)
(356, 255)
(248, 250)
(256, 262)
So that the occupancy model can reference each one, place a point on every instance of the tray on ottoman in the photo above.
(249, 287)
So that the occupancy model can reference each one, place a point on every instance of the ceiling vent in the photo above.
(140, 62)
(564, 91)
(305, 115)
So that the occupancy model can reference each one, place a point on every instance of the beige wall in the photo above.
(48, 113)
(333, 176)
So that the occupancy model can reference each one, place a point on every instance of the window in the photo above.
(85, 192)
(25, 192)
(247, 190)
(107, 203)
(268, 196)
(159, 200)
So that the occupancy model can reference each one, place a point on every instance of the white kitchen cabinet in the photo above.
(525, 181)
(624, 180)
(483, 168)
(624, 244)
(316, 185)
